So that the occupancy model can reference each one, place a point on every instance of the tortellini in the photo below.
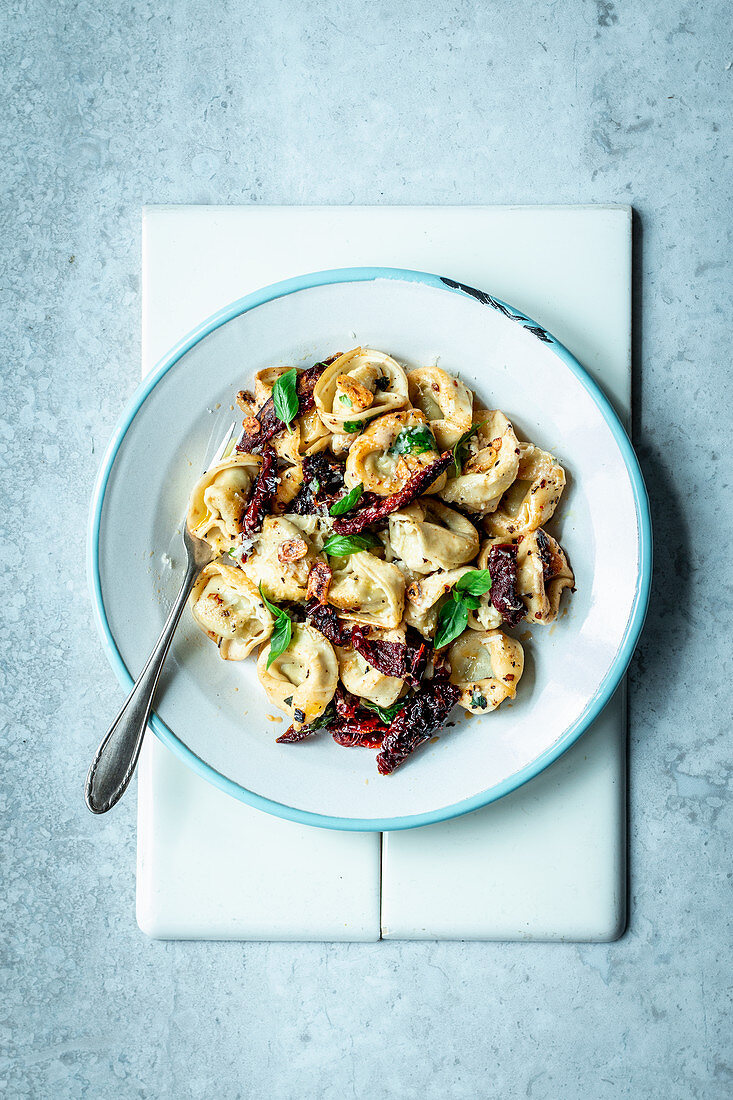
(288, 447)
(358, 386)
(393, 448)
(316, 529)
(301, 681)
(219, 499)
(229, 609)
(485, 616)
(314, 435)
(490, 466)
(303, 588)
(365, 589)
(533, 497)
(427, 535)
(543, 573)
(486, 666)
(264, 381)
(444, 400)
(361, 679)
(424, 597)
(273, 563)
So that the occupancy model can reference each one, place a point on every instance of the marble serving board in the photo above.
(547, 862)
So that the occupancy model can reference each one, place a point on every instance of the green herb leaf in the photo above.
(475, 583)
(270, 606)
(346, 503)
(351, 426)
(285, 396)
(329, 716)
(282, 631)
(460, 450)
(346, 400)
(452, 621)
(340, 546)
(386, 714)
(478, 699)
(322, 722)
(280, 638)
(414, 441)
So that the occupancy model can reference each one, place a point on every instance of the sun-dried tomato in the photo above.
(354, 725)
(423, 713)
(323, 483)
(325, 619)
(403, 660)
(358, 738)
(293, 736)
(502, 566)
(262, 494)
(377, 514)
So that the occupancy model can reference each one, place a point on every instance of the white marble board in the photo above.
(546, 863)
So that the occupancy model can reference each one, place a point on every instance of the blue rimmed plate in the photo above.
(214, 714)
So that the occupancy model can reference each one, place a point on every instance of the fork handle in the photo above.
(116, 757)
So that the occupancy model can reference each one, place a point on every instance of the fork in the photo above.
(115, 760)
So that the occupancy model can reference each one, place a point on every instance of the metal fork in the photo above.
(115, 760)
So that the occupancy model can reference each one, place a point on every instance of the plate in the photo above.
(214, 714)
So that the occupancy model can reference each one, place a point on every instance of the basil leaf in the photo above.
(282, 631)
(285, 396)
(351, 426)
(414, 441)
(270, 606)
(280, 638)
(452, 621)
(478, 699)
(340, 546)
(346, 503)
(326, 719)
(386, 714)
(346, 400)
(475, 583)
(460, 451)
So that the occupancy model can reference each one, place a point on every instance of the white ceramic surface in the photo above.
(219, 710)
(548, 861)
(206, 849)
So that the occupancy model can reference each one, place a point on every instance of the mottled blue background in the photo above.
(111, 105)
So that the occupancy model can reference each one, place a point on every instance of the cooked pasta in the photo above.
(230, 610)
(357, 387)
(302, 680)
(486, 666)
(348, 535)
(445, 402)
(427, 535)
(531, 499)
(218, 501)
(386, 454)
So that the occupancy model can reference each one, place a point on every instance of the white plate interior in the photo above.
(218, 709)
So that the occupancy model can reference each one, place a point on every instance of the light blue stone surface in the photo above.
(111, 105)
